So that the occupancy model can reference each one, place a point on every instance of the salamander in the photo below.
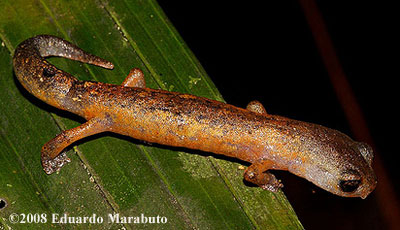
(323, 156)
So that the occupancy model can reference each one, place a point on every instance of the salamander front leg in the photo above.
(135, 78)
(256, 174)
(52, 158)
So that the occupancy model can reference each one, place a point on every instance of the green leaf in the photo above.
(111, 173)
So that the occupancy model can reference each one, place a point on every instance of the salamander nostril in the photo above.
(349, 185)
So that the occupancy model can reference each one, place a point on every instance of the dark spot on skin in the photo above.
(108, 119)
(201, 117)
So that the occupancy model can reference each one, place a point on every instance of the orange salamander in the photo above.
(326, 157)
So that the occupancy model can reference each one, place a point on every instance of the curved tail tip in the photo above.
(106, 64)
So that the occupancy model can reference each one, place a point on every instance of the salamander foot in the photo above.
(53, 156)
(256, 174)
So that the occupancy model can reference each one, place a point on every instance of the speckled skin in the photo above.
(321, 155)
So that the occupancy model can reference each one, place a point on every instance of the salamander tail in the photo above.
(49, 45)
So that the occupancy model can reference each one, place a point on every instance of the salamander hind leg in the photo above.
(256, 174)
(52, 157)
(135, 78)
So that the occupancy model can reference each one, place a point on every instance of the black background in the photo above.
(267, 52)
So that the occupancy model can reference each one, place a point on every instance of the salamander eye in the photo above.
(48, 72)
(349, 185)
(350, 181)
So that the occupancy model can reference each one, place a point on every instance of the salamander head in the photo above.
(341, 166)
(357, 179)
(333, 161)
